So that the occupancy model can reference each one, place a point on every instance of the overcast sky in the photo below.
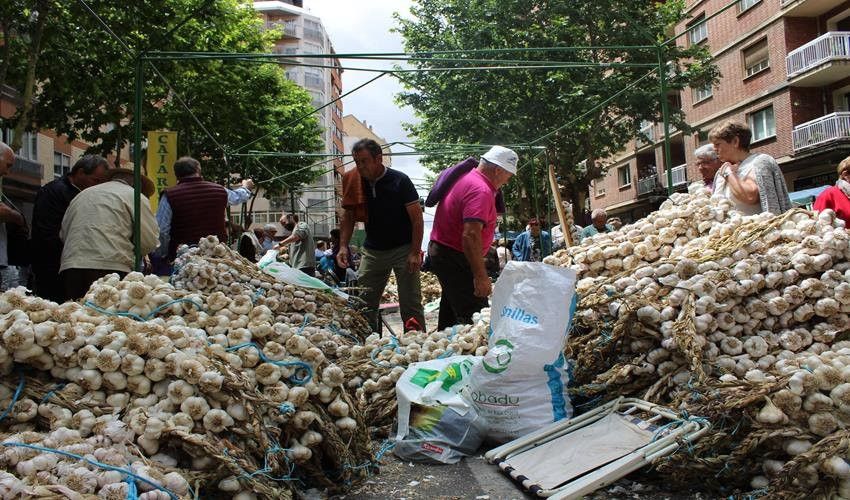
(363, 27)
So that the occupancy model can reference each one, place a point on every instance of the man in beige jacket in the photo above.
(97, 232)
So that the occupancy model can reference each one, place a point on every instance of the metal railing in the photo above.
(647, 184)
(28, 168)
(290, 28)
(825, 129)
(679, 174)
(829, 46)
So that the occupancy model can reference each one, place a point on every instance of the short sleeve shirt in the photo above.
(471, 199)
(302, 253)
(388, 224)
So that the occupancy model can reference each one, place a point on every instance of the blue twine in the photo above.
(132, 491)
(303, 325)
(294, 378)
(171, 303)
(454, 332)
(337, 331)
(721, 471)
(274, 449)
(386, 446)
(685, 417)
(136, 317)
(393, 345)
(129, 473)
(807, 368)
(446, 354)
(111, 313)
(18, 391)
(286, 408)
(50, 393)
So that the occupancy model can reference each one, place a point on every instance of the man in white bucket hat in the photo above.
(463, 229)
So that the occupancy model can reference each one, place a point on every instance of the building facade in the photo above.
(785, 67)
(304, 33)
(355, 130)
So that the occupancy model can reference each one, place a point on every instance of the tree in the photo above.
(600, 105)
(86, 91)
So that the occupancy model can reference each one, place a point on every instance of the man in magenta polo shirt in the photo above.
(463, 229)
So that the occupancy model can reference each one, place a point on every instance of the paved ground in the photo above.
(471, 478)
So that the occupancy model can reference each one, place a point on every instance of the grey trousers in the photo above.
(374, 272)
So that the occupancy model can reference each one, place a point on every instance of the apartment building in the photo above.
(355, 130)
(304, 33)
(43, 156)
(785, 68)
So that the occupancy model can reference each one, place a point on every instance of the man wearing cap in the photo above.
(97, 231)
(51, 203)
(394, 228)
(194, 208)
(532, 245)
(463, 229)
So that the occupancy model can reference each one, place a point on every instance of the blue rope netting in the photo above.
(15, 397)
(97, 464)
(295, 378)
(148, 316)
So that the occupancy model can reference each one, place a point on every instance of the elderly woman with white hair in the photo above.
(600, 219)
(708, 163)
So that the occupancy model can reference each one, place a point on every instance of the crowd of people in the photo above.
(82, 225)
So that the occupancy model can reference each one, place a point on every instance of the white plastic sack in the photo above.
(435, 423)
(521, 383)
(281, 271)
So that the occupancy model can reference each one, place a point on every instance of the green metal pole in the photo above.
(665, 113)
(137, 164)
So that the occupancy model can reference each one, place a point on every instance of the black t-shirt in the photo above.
(389, 225)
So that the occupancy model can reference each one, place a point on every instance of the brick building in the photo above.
(785, 67)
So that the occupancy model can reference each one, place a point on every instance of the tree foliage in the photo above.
(83, 83)
(596, 109)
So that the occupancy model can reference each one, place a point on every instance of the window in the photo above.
(61, 164)
(756, 58)
(599, 187)
(313, 79)
(702, 93)
(698, 30)
(762, 124)
(624, 174)
(29, 145)
(744, 5)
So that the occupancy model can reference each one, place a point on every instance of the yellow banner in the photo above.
(162, 153)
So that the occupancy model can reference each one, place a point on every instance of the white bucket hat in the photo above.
(503, 157)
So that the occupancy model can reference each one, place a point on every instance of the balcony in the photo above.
(807, 8)
(290, 29)
(647, 184)
(27, 168)
(828, 129)
(679, 174)
(820, 62)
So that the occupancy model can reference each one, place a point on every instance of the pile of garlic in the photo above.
(430, 287)
(30, 472)
(376, 366)
(203, 369)
(680, 219)
(697, 295)
(213, 267)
